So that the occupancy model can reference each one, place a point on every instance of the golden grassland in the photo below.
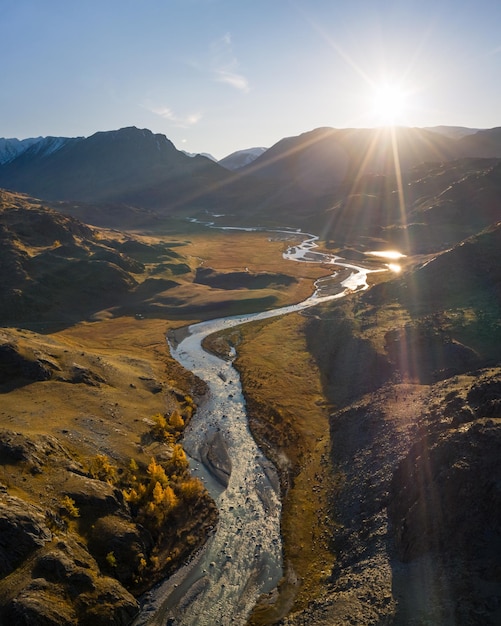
(128, 348)
(255, 252)
(129, 354)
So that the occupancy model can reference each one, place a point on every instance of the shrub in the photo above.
(111, 559)
(157, 473)
(176, 421)
(69, 507)
(159, 428)
(102, 469)
(178, 461)
(191, 489)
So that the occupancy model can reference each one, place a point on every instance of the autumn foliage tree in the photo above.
(161, 497)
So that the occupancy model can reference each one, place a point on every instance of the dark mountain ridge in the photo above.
(412, 367)
(353, 169)
(124, 165)
(411, 188)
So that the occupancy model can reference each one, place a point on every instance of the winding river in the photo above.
(242, 559)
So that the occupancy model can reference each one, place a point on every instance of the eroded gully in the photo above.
(242, 559)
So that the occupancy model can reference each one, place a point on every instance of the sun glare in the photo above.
(389, 103)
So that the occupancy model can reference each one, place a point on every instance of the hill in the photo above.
(57, 270)
(241, 158)
(357, 180)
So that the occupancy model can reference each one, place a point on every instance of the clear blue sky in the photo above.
(220, 75)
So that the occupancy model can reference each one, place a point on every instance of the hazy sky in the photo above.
(220, 75)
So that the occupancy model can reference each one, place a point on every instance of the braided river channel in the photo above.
(242, 559)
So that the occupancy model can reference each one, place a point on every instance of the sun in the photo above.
(389, 104)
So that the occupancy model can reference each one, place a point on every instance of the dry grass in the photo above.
(256, 252)
(288, 412)
(111, 417)
(73, 411)
(130, 355)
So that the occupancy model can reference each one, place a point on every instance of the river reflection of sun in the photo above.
(394, 267)
(386, 254)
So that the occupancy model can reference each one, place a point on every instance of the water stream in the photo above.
(243, 558)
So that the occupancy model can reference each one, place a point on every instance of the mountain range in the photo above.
(380, 183)
(143, 169)
(11, 149)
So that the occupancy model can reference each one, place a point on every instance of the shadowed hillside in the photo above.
(57, 269)
(413, 369)
(127, 165)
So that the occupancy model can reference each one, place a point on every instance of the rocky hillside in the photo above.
(323, 175)
(91, 470)
(91, 474)
(96, 500)
(54, 268)
(413, 370)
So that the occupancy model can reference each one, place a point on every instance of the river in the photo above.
(243, 558)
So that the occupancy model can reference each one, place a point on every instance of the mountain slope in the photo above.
(347, 182)
(128, 165)
(55, 269)
(12, 148)
(333, 154)
(484, 143)
(454, 132)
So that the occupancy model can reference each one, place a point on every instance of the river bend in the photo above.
(243, 558)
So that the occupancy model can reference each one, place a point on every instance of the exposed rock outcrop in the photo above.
(417, 507)
(62, 586)
(93, 497)
(23, 530)
(214, 455)
(126, 541)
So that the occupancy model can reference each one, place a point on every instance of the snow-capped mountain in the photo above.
(207, 155)
(11, 149)
(127, 165)
(241, 158)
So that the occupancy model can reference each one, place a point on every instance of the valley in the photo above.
(380, 411)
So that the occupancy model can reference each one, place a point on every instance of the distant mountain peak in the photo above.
(241, 158)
